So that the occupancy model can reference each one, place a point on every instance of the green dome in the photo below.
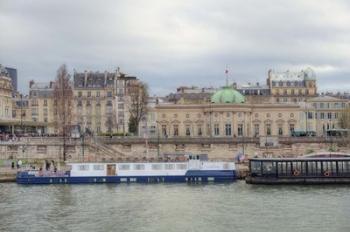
(227, 95)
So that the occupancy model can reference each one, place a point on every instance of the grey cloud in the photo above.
(172, 43)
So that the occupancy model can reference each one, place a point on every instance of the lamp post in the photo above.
(158, 140)
(21, 113)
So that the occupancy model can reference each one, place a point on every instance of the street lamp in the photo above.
(21, 102)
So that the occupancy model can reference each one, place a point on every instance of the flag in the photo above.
(226, 71)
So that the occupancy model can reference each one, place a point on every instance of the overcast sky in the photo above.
(173, 43)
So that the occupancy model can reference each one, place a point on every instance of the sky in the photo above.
(178, 43)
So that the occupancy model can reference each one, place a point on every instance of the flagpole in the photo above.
(226, 72)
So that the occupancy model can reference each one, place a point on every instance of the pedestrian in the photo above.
(13, 165)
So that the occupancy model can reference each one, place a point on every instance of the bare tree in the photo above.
(138, 93)
(63, 105)
(344, 119)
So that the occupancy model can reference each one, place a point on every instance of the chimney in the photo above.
(31, 83)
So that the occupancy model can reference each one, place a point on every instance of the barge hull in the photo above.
(221, 176)
(301, 181)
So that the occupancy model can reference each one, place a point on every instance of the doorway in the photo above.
(111, 169)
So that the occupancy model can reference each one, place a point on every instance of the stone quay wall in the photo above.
(136, 149)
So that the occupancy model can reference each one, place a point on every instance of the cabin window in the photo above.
(98, 167)
(84, 167)
(139, 167)
(226, 166)
(156, 166)
(169, 166)
(124, 167)
(181, 166)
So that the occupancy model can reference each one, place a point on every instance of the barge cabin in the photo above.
(299, 171)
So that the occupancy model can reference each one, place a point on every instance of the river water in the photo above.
(174, 207)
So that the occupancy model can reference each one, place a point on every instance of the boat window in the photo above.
(139, 167)
(170, 166)
(181, 166)
(256, 167)
(226, 166)
(269, 168)
(156, 166)
(124, 167)
(98, 167)
(83, 167)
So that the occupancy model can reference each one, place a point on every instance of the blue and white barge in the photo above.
(190, 171)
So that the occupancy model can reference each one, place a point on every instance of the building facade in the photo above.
(227, 115)
(5, 95)
(41, 104)
(292, 86)
(101, 101)
(13, 75)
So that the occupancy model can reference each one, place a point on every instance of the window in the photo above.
(169, 166)
(200, 130)
(89, 94)
(322, 116)
(156, 166)
(280, 130)
(228, 131)
(176, 130)
(216, 129)
(181, 166)
(329, 115)
(45, 102)
(120, 106)
(240, 129)
(309, 115)
(268, 129)
(109, 94)
(164, 133)
(291, 128)
(139, 166)
(124, 167)
(84, 167)
(188, 130)
(98, 167)
(256, 130)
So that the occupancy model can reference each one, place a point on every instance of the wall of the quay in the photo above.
(40, 149)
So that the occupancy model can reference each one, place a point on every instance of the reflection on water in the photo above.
(174, 207)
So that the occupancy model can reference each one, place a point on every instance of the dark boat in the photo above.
(317, 169)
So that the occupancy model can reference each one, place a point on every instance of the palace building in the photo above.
(227, 115)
